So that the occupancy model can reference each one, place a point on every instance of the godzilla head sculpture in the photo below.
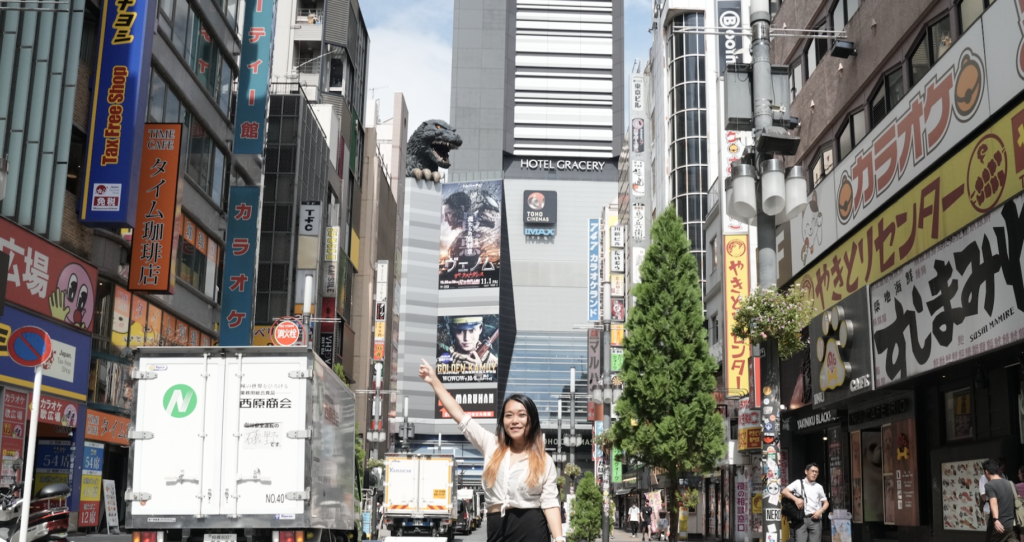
(428, 150)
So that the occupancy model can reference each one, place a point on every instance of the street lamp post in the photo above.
(776, 195)
(572, 415)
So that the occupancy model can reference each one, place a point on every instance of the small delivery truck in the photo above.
(247, 444)
(419, 495)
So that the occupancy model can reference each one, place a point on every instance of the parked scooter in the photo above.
(48, 514)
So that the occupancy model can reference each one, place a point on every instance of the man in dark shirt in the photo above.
(646, 534)
(1000, 494)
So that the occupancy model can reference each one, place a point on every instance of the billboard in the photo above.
(540, 207)
(470, 255)
(476, 402)
(46, 279)
(153, 240)
(240, 266)
(960, 299)
(974, 79)
(254, 77)
(737, 281)
(467, 348)
(594, 270)
(969, 185)
(119, 101)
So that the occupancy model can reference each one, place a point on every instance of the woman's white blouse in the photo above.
(509, 489)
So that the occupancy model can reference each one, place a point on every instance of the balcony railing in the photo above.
(309, 16)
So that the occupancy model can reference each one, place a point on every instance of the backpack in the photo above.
(1018, 510)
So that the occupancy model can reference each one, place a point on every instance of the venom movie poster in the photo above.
(470, 255)
(467, 349)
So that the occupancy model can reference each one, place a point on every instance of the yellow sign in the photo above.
(91, 487)
(737, 286)
(440, 493)
(378, 330)
(987, 172)
(618, 333)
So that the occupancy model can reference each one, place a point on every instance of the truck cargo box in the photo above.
(236, 438)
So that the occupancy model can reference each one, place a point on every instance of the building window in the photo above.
(688, 132)
(887, 96)
(959, 415)
(936, 41)
(796, 80)
(816, 51)
(842, 13)
(851, 134)
(970, 11)
(198, 258)
(822, 165)
(714, 254)
(713, 335)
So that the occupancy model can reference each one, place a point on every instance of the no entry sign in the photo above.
(29, 346)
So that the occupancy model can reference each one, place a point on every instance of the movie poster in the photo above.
(470, 255)
(467, 349)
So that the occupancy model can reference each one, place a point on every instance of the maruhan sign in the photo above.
(561, 165)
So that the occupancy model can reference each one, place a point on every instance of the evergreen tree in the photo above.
(668, 415)
(586, 511)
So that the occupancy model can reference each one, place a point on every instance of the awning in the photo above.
(623, 492)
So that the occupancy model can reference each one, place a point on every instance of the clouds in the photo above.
(411, 52)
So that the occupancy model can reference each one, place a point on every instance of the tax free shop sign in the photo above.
(117, 124)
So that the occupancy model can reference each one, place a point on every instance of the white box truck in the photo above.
(419, 495)
(253, 444)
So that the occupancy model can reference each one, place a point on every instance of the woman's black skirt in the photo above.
(518, 525)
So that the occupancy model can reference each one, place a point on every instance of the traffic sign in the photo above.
(29, 346)
(286, 333)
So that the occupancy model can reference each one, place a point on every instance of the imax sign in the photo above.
(539, 232)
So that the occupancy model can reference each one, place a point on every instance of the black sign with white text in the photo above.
(540, 206)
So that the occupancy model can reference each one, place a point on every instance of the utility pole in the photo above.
(572, 418)
(606, 399)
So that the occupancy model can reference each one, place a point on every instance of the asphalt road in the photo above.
(479, 535)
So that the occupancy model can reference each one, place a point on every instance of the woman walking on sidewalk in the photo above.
(519, 476)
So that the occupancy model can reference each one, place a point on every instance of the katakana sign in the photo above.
(238, 290)
(254, 77)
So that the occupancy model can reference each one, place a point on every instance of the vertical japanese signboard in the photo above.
(331, 261)
(119, 102)
(153, 246)
(239, 265)
(92, 481)
(594, 270)
(12, 443)
(254, 77)
(737, 285)
(380, 312)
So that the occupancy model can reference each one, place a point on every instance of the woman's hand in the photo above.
(427, 372)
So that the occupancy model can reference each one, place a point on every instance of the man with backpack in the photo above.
(810, 497)
(1002, 497)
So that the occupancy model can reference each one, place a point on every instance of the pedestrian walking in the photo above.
(662, 526)
(810, 497)
(1001, 498)
(1020, 485)
(634, 518)
(982, 481)
(519, 476)
(645, 514)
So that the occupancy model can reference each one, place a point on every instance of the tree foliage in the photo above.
(668, 414)
(586, 511)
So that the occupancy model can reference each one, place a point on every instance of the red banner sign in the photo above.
(153, 246)
(45, 279)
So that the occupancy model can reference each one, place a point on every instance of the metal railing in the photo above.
(309, 16)
(305, 65)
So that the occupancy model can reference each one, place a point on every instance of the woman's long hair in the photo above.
(534, 439)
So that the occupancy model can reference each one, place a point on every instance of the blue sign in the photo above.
(93, 461)
(119, 100)
(254, 78)
(239, 287)
(594, 271)
(54, 456)
(367, 524)
(67, 373)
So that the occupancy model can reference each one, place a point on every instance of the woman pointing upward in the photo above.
(519, 476)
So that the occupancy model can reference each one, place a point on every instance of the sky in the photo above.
(411, 52)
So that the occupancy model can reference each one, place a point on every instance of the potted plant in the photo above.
(768, 316)
(572, 471)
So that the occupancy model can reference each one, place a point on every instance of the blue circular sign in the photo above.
(29, 346)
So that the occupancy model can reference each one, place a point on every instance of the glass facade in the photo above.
(540, 369)
(688, 131)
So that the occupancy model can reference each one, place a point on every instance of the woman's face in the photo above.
(517, 421)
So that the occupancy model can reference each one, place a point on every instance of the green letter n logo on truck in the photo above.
(180, 401)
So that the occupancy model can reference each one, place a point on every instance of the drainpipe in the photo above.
(30, 171)
(41, 217)
(17, 145)
(66, 116)
(7, 49)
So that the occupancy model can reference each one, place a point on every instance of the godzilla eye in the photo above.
(438, 126)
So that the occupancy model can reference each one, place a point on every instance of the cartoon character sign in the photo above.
(73, 301)
(812, 219)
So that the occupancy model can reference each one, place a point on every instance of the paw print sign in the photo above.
(836, 333)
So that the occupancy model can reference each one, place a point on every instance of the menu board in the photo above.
(961, 499)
